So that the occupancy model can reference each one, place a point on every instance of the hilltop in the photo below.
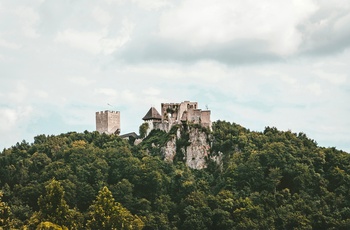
(249, 180)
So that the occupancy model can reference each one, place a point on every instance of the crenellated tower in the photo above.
(108, 122)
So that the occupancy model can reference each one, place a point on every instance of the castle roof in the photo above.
(152, 114)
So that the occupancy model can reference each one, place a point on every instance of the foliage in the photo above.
(266, 180)
(107, 214)
(143, 129)
(5, 214)
(53, 210)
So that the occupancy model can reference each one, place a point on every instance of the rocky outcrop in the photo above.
(198, 149)
(169, 150)
(194, 153)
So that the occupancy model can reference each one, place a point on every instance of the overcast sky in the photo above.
(279, 63)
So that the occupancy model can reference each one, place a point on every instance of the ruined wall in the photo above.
(164, 126)
(205, 119)
(194, 116)
(169, 112)
(107, 121)
(173, 112)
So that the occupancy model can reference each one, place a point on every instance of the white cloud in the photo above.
(9, 45)
(98, 41)
(315, 88)
(106, 92)
(82, 81)
(13, 122)
(151, 91)
(8, 119)
(273, 22)
(19, 94)
(41, 94)
(28, 19)
(102, 16)
(109, 45)
(152, 4)
(333, 78)
(87, 41)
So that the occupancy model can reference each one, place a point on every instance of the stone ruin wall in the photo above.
(162, 126)
(205, 119)
(178, 109)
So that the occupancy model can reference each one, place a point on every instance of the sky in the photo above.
(280, 63)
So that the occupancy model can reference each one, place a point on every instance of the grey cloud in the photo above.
(326, 32)
(233, 53)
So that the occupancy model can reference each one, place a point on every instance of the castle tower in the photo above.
(108, 122)
(152, 117)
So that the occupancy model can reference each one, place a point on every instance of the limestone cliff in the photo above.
(191, 145)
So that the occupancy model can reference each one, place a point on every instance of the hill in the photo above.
(251, 180)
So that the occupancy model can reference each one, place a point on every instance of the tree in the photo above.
(52, 205)
(143, 130)
(105, 213)
(54, 209)
(5, 214)
(49, 226)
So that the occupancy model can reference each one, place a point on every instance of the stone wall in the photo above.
(205, 119)
(175, 113)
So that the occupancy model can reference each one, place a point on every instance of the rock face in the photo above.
(198, 150)
(169, 150)
(195, 152)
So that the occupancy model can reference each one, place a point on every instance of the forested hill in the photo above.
(265, 180)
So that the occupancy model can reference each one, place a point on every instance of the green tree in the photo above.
(53, 208)
(49, 226)
(5, 214)
(143, 130)
(105, 213)
(52, 205)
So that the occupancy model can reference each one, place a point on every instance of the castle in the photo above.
(171, 114)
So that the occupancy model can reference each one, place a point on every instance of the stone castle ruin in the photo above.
(171, 114)
(195, 154)
(176, 113)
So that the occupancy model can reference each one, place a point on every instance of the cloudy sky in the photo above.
(282, 63)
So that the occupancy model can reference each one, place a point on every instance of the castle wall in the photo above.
(107, 121)
(164, 126)
(167, 115)
(205, 119)
(177, 111)
(194, 116)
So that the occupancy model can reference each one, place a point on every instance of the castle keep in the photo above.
(108, 122)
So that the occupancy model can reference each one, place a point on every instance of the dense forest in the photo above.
(265, 180)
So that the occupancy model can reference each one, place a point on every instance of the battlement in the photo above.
(107, 111)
